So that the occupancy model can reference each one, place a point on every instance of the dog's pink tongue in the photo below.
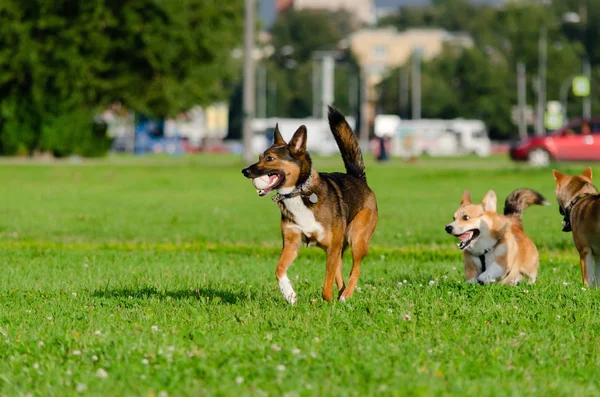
(273, 179)
(465, 236)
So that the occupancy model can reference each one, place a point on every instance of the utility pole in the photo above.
(522, 95)
(587, 101)
(416, 84)
(364, 107)
(541, 105)
(249, 76)
(404, 82)
(327, 88)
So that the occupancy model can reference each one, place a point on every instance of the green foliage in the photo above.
(108, 269)
(310, 30)
(481, 82)
(83, 137)
(60, 56)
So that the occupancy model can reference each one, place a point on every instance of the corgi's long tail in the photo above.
(520, 199)
(347, 143)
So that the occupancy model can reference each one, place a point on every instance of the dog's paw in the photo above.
(342, 299)
(291, 298)
(485, 279)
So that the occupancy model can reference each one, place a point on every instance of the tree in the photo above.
(63, 59)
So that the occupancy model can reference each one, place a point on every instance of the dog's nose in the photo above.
(448, 228)
(246, 172)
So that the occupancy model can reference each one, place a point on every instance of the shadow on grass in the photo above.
(203, 294)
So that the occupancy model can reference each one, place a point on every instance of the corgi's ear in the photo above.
(466, 198)
(588, 173)
(489, 201)
(558, 177)
(298, 143)
(278, 139)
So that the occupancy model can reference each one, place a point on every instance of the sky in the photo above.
(267, 7)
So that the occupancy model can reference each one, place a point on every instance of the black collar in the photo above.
(567, 211)
(302, 189)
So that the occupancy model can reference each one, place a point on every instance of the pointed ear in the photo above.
(558, 177)
(489, 201)
(278, 139)
(466, 198)
(588, 173)
(298, 142)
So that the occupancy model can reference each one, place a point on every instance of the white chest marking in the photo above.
(303, 217)
(483, 243)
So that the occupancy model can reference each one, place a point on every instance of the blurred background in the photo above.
(437, 78)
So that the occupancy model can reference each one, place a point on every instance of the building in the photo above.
(379, 50)
(362, 10)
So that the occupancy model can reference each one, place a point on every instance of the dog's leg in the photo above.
(291, 245)
(492, 274)
(587, 263)
(339, 278)
(597, 269)
(361, 229)
(334, 261)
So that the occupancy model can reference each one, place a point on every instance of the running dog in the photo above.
(329, 210)
(579, 204)
(495, 247)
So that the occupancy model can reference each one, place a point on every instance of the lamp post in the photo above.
(249, 79)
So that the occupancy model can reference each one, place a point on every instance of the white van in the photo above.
(441, 138)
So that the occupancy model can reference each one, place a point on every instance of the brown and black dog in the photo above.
(579, 203)
(330, 210)
(495, 247)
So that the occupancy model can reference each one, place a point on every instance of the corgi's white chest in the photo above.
(304, 218)
(482, 245)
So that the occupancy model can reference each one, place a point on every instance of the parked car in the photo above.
(579, 140)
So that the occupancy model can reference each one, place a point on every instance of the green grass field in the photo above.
(155, 277)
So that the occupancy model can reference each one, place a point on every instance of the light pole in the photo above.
(249, 77)
(416, 83)
(541, 105)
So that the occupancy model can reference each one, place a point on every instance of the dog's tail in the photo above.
(348, 144)
(520, 199)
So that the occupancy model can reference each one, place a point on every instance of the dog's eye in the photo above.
(269, 158)
(466, 217)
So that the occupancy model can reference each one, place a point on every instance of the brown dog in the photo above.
(495, 247)
(578, 200)
(330, 210)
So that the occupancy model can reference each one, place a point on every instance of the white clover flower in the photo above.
(101, 373)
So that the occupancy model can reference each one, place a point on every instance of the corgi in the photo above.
(579, 204)
(495, 247)
(329, 210)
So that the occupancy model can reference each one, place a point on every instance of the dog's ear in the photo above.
(298, 143)
(588, 173)
(466, 198)
(278, 139)
(558, 177)
(489, 201)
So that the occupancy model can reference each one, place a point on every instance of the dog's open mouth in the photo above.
(466, 238)
(267, 183)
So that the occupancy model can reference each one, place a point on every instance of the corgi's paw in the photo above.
(485, 279)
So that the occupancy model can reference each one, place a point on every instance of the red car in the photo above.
(579, 140)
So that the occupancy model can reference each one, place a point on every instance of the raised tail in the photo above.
(347, 143)
(520, 199)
